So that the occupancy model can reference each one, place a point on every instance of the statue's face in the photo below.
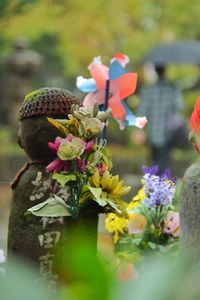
(34, 135)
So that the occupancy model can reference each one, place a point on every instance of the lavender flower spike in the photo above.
(168, 176)
(150, 170)
(159, 190)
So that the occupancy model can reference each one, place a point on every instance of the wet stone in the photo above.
(36, 239)
(190, 217)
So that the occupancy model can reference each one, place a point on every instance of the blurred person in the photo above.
(161, 103)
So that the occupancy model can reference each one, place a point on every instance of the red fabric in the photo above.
(195, 118)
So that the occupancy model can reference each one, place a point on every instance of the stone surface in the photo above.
(190, 217)
(31, 237)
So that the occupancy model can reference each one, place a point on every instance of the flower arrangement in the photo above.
(151, 224)
(83, 166)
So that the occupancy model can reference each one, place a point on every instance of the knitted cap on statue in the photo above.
(35, 131)
(36, 238)
(190, 201)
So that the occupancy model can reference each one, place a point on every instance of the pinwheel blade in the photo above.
(130, 117)
(100, 74)
(118, 110)
(91, 98)
(86, 85)
(116, 70)
(125, 85)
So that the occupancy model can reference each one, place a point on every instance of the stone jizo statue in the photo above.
(190, 201)
(29, 237)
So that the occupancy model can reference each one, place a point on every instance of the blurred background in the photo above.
(51, 42)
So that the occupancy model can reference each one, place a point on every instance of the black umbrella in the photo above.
(185, 51)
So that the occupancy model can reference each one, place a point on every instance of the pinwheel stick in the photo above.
(106, 105)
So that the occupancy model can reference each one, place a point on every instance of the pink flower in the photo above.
(81, 165)
(171, 224)
(54, 146)
(69, 137)
(55, 166)
(89, 146)
(68, 149)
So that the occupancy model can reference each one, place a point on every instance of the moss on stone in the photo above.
(33, 96)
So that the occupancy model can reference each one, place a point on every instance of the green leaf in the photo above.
(52, 207)
(152, 245)
(63, 179)
(96, 192)
(137, 241)
(114, 205)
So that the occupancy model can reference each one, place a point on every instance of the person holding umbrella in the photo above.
(161, 103)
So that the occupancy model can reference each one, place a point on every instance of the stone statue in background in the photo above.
(33, 238)
(190, 201)
(17, 74)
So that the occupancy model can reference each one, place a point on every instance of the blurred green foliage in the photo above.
(70, 33)
(9, 146)
(160, 279)
(79, 30)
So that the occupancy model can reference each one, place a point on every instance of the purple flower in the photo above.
(159, 190)
(150, 170)
(167, 175)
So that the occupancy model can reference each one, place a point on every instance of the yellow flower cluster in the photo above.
(136, 200)
(118, 225)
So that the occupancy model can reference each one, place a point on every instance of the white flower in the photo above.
(140, 122)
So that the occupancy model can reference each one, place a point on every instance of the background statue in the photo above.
(17, 75)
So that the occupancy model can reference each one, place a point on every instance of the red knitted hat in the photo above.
(195, 118)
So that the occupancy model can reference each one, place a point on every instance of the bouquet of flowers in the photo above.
(152, 224)
(82, 165)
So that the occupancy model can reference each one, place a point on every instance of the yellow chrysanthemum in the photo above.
(109, 184)
(116, 225)
(140, 195)
(133, 223)
(136, 200)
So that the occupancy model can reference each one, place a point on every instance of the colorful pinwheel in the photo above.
(110, 86)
